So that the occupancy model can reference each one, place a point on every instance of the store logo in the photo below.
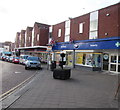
(76, 46)
(105, 56)
(117, 44)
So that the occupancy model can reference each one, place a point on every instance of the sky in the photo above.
(16, 15)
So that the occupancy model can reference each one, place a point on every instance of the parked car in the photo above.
(0, 57)
(23, 59)
(16, 60)
(11, 59)
(3, 58)
(32, 62)
(7, 58)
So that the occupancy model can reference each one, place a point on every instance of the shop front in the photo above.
(102, 53)
(39, 51)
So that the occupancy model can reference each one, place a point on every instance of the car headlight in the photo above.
(27, 63)
(38, 62)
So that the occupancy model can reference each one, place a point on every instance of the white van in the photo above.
(23, 58)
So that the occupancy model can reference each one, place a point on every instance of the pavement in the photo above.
(85, 89)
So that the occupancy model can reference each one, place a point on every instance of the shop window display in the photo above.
(88, 60)
(96, 60)
(79, 58)
(69, 59)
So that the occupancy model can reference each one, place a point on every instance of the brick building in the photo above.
(17, 40)
(90, 40)
(22, 38)
(41, 34)
(34, 40)
(29, 36)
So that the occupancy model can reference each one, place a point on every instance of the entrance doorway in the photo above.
(111, 62)
(106, 61)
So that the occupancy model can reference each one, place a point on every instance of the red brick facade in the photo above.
(108, 21)
(29, 36)
(108, 25)
(74, 30)
(55, 32)
(17, 40)
(41, 34)
(22, 38)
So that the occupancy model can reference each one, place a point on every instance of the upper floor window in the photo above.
(59, 32)
(37, 37)
(67, 24)
(50, 29)
(81, 28)
(93, 32)
(67, 31)
(29, 38)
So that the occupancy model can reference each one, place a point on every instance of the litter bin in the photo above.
(53, 65)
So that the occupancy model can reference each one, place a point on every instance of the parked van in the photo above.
(23, 59)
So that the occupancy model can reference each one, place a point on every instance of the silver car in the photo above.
(32, 62)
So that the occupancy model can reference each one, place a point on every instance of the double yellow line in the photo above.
(8, 93)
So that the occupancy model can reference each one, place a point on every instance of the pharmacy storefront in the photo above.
(103, 53)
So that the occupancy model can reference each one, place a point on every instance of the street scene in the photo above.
(60, 60)
(85, 89)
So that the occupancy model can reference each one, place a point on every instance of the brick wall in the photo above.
(108, 22)
(55, 32)
(29, 36)
(74, 31)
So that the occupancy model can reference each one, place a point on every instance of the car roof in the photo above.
(24, 55)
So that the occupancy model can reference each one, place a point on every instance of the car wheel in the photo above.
(26, 68)
(39, 68)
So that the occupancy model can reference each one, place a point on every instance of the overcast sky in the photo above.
(16, 15)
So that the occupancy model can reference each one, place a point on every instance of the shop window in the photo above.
(96, 60)
(113, 59)
(118, 59)
(79, 58)
(118, 68)
(113, 67)
(69, 58)
(88, 60)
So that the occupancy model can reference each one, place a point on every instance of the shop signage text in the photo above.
(108, 44)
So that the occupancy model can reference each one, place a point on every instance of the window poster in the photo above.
(79, 58)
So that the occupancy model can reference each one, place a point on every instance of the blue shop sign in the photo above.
(105, 44)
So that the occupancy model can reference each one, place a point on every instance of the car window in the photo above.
(33, 58)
